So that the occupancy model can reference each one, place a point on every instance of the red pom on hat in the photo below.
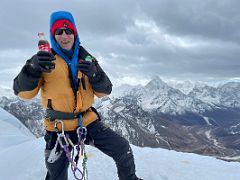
(63, 23)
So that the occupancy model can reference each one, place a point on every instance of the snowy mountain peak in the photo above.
(6, 91)
(199, 84)
(234, 85)
(184, 86)
(156, 83)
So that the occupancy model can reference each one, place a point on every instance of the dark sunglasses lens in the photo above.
(59, 32)
(68, 31)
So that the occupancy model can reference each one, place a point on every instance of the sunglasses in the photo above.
(60, 31)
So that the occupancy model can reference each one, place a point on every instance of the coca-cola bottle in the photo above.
(43, 44)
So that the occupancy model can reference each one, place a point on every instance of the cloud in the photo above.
(190, 39)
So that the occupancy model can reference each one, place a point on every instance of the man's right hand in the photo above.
(43, 61)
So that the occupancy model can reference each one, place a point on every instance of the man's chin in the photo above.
(66, 47)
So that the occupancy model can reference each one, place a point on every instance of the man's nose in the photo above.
(64, 35)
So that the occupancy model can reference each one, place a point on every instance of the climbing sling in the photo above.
(66, 143)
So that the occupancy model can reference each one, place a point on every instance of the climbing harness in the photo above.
(67, 145)
(58, 117)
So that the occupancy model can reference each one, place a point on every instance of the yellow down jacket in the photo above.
(56, 87)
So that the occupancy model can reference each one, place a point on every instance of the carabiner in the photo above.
(62, 124)
(82, 133)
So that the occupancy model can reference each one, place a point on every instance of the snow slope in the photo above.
(21, 158)
(12, 131)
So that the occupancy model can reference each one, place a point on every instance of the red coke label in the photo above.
(43, 44)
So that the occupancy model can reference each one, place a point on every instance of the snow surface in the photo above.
(12, 131)
(22, 158)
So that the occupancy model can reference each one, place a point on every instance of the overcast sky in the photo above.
(134, 40)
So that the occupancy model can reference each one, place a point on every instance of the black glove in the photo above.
(42, 62)
(88, 68)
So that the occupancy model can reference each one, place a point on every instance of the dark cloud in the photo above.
(207, 19)
(190, 39)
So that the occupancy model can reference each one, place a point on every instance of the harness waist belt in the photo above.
(52, 115)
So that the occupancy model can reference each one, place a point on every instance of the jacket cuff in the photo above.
(102, 84)
(26, 80)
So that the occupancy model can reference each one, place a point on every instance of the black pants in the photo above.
(105, 140)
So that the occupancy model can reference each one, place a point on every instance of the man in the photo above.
(68, 84)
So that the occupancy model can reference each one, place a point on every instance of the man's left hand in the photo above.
(87, 68)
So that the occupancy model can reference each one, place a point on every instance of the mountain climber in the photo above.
(68, 83)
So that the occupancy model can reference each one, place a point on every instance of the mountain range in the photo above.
(202, 119)
(18, 145)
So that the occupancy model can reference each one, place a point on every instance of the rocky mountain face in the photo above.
(205, 120)
(29, 113)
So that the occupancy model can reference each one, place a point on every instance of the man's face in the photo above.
(65, 38)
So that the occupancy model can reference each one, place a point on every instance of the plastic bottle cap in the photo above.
(89, 58)
(41, 34)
